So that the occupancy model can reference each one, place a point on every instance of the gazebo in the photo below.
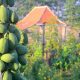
(40, 16)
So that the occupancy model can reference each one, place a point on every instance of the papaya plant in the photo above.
(13, 43)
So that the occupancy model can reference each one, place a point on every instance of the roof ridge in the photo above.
(42, 14)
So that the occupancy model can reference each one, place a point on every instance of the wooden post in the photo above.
(43, 40)
(65, 32)
(42, 25)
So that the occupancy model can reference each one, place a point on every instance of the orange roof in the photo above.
(41, 14)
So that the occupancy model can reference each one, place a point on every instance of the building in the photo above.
(42, 15)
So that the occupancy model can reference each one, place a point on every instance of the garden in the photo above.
(40, 52)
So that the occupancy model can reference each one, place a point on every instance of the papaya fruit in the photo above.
(3, 28)
(3, 14)
(14, 18)
(12, 28)
(24, 38)
(2, 66)
(10, 2)
(17, 33)
(15, 66)
(21, 38)
(7, 58)
(21, 49)
(18, 76)
(7, 75)
(22, 60)
(14, 53)
(3, 45)
(15, 75)
(2, 2)
(12, 41)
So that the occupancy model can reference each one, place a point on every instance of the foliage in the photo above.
(24, 6)
(72, 13)
(65, 61)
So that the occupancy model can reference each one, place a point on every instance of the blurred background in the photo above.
(61, 59)
(68, 10)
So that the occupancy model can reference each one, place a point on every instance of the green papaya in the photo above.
(0, 56)
(21, 38)
(24, 38)
(3, 45)
(12, 41)
(9, 13)
(4, 17)
(11, 51)
(12, 28)
(7, 58)
(15, 75)
(18, 76)
(2, 66)
(15, 66)
(17, 33)
(7, 75)
(21, 49)
(14, 18)
(10, 2)
(3, 28)
(22, 60)
(15, 54)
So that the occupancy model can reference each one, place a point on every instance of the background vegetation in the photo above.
(63, 62)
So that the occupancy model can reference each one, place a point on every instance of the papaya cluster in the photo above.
(12, 43)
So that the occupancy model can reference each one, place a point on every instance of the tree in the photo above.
(72, 13)
(24, 6)
(12, 43)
